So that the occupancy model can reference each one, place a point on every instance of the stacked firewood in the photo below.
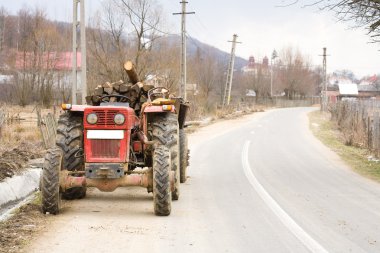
(134, 92)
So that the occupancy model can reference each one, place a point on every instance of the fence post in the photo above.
(2, 119)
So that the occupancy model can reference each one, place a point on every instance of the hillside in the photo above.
(194, 45)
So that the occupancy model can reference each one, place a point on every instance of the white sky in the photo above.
(260, 25)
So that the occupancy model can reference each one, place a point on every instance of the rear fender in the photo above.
(158, 108)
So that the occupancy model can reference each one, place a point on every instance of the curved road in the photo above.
(261, 183)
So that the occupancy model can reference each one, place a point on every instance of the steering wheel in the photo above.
(157, 91)
(115, 96)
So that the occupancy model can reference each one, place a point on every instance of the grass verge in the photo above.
(357, 158)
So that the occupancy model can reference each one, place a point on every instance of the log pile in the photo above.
(133, 92)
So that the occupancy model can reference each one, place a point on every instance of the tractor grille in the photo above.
(105, 117)
(105, 148)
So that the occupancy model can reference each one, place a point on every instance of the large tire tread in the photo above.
(50, 193)
(70, 141)
(165, 132)
(161, 181)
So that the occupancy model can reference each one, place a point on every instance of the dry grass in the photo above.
(356, 157)
(16, 134)
(20, 140)
(22, 227)
(20, 132)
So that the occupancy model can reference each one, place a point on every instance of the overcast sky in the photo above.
(261, 27)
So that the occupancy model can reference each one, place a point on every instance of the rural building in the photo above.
(369, 92)
(333, 93)
(56, 67)
(348, 91)
(253, 67)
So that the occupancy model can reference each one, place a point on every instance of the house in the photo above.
(6, 79)
(369, 87)
(372, 80)
(348, 91)
(369, 91)
(250, 93)
(253, 67)
(332, 93)
(57, 66)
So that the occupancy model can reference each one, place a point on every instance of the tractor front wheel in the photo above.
(161, 181)
(50, 190)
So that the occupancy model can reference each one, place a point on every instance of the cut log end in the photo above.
(128, 65)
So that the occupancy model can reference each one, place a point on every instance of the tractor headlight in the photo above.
(119, 119)
(92, 118)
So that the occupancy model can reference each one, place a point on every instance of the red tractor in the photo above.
(112, 145)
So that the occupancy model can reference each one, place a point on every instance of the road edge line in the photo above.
(289, 223)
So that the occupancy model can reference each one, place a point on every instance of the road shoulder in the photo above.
(358, 159)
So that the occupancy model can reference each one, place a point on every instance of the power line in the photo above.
(195, 43)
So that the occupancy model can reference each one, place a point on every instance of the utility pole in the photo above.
(182, 90)
(324, 87)
(75, 50)
(83, 49)
(230, 73)
(82, 28)
(274, 56)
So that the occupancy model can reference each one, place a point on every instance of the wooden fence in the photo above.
(2, 120)
(282, 102)
(48, 128)
(359, 122)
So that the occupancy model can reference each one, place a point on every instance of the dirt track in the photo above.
(124, 220)
(263, 184)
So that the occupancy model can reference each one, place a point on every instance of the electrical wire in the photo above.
(195, 43)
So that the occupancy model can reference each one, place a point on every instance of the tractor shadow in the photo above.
(131, 201)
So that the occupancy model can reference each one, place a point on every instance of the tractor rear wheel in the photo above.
(50, 193)
(161, 181)
(70, 141)
(183, 155)
(165, 132)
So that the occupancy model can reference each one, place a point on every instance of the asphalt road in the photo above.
(261, 183)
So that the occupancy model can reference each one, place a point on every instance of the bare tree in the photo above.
(3, 20)
(165, 63)
(296, 78)
(36, 59)
(107, 44)
(113, 39)
(365, 13)
(258, 80)
(145, 18)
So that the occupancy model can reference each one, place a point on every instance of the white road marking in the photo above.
(297, 231)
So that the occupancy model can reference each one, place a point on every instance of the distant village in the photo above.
(341, 85)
